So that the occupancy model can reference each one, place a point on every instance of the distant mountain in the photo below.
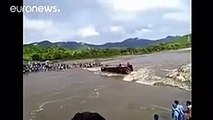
(70, 44)
(127, 43)
(43, 43)
(167, 39)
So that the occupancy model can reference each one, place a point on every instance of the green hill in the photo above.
(49, 52)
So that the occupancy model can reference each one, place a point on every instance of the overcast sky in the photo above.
(101, 21)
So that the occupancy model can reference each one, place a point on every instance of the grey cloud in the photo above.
(76, 14)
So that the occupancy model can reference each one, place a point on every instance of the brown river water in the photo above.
(59, 95)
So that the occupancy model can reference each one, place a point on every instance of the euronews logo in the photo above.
(40, 9)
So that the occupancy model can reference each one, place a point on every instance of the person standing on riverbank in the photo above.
(180, 109)
(177, 111)
(188, 112)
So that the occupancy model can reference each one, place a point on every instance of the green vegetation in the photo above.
(31, 52)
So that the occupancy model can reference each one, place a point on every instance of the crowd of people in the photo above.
(179, 113)
(44, 66)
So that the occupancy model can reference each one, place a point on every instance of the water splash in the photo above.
(93, 69)
(97, 71)
(180, 77)
(143, 76)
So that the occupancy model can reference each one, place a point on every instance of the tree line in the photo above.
(31, 52)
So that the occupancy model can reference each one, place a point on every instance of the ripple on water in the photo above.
(41, 107)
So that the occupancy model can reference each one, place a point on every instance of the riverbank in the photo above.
(185, 49)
